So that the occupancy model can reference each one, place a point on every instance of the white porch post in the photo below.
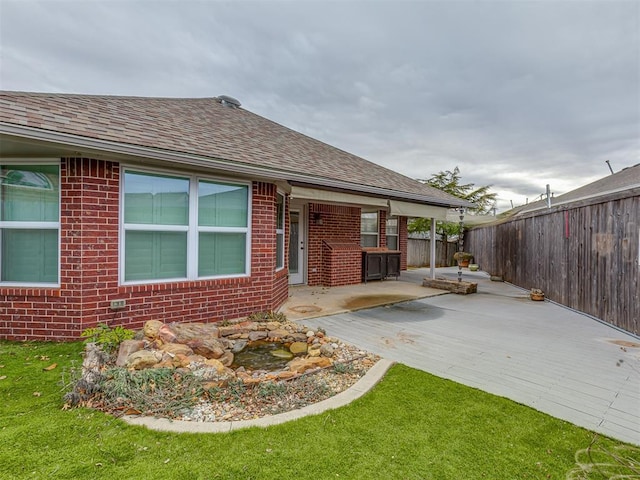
(432, 245)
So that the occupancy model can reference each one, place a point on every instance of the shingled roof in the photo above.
(625, 182)
(205, 127)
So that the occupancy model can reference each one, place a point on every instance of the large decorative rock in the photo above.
(301, 365)
(298, 337)
(181, 361)
(461, 288)
(143, 359)
(230, 331)
(196, 359)
(150, 329)
(207, 347)
(248, 325)
(227, 358)
(167, 334)
(127, 347)
(175, 348)
(278, 333)
(239, 346)
(255, 336)
(216, 364)
(166, 362)
(186, 332)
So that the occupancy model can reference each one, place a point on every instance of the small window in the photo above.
(392, 233)
(29, 224)
(369, 229)
(280, 231)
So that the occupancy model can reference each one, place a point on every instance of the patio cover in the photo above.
(327, 196)
(417, 210)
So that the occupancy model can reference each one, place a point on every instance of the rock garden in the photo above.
(262, 365)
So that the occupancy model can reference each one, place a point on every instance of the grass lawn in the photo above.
(411, 426)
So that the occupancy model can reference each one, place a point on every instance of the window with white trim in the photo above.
(29, 224)
(369, 229)
(392, 233)
(183, 227)
(280, 201)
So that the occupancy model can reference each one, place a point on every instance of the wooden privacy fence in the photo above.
(419, 251)
(584, 255)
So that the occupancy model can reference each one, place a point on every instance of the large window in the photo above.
(369, 229)
(392, 233)
(280, 231)
(29, 224)
(183, 228)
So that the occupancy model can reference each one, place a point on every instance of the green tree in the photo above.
(449, 181)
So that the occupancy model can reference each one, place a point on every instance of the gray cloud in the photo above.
(517, 94)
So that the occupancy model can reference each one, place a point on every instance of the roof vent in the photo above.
(228, 101)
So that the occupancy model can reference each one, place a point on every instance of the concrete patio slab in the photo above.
(540, 354)
(309, 302)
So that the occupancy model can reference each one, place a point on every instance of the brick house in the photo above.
(119, 210)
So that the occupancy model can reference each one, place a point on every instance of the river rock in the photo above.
(298, 347)
(298, 337)
(327, 350)
(314, 350)
(282, 353)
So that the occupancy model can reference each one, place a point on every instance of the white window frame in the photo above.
(193, 229)
(371, 234)
(396, 235)
(35, 225)
(280, 231)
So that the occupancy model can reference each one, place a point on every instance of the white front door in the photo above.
(296, 246)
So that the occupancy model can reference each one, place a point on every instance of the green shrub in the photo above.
(106, 337)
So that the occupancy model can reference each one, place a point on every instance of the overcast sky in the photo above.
(518, 94)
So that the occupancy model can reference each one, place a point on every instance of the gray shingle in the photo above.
(203, 127)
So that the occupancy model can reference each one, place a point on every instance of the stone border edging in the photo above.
(362, 386)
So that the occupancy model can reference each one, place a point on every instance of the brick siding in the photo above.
(330, 223)
(89, 229)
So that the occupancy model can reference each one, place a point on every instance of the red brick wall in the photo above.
(342, 264)
(89, 269)
(332, 267)
(339, 224)
(403, 235)
(48, 313)
(382, 228)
